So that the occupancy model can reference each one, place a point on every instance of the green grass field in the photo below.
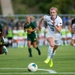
(17, 60)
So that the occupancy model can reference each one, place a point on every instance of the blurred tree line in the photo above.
(43, 6)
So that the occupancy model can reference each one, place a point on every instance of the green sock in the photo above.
(38, 50)
(30, 51)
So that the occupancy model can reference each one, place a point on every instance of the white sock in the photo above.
(14, 44)
(74, 44)
(50, 51)
(22, 42)
(19, 43)
(65, 41)
(53, 54)
(69, 41)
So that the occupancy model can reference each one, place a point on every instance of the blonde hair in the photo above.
(54, 8)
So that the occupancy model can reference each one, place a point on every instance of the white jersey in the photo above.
(51, 29)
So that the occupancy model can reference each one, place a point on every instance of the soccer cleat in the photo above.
(47, 60)
(30, 55)
(51, 63)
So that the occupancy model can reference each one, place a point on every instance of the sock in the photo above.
(14, 44)
(30, 51)
(18, 43)
(53, 54)
(69, 41)
(38, 50)
(4, 49)
(50, 51)
(22, 43)
(65, 42)
(74, 44)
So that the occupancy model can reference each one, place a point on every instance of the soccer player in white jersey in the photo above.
(54, 23)
(72, 29)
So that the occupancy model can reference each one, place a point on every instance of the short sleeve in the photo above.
(60, 22)
(45, 18)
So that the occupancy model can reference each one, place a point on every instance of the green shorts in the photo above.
(31, 38)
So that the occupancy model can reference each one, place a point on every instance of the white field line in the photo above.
(47, 71)
(40, 73)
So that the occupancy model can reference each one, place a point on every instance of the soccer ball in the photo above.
(32, 67)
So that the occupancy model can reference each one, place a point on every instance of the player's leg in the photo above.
(5, 50)
(36, 47)
(29, 48)
(52, 55)
(72, 42)
(50, 49)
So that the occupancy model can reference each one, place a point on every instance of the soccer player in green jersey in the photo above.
(3, 49)
(30, 27)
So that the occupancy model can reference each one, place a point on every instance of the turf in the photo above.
(17, 60)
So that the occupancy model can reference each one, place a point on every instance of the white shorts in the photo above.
(57, 37)
(73, 36)
(63, 36)
(68, 35)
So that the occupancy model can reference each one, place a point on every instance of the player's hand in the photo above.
(53, 22)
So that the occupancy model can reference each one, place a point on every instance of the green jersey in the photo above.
(30, 35)
(30, 26)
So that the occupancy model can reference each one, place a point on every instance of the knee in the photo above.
(52, 45)
(34, 46)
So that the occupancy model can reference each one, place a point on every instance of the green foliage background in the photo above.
(42, 6)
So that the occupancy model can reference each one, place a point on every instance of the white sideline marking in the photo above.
(32, 73)
(47, 70)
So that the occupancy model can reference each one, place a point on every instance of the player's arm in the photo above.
(40, 23)
(70, 27)
(58, 27)
(34, 28)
